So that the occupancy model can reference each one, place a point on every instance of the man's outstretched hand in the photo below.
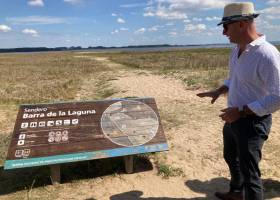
(212, 94)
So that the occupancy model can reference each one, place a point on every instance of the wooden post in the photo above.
(55, 174)
(128, 161)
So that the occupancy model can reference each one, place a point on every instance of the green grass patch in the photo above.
(167, 171)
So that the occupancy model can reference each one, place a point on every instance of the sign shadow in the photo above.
(136, 195)
(29, 178)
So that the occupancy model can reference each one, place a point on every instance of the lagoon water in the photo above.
(151, 48)
(165, 48)
(160, 48)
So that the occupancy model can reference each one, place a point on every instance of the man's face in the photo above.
(232, 31)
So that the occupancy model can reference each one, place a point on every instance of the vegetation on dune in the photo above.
(196, 67)
(51, 77)
(42, 77)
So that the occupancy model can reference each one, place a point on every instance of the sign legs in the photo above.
(55, 174)
(128, 161)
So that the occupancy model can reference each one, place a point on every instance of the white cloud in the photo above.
(271, 10)
(33, 20)
(186, 21)
(133, 5)
(216, 29)
(197, 19)
(140, 31)
(39, 3)
(209, 34)
(73, 2)
(120, 20)
(114, 14)
(173, 34)
(195, 28)
(153, 29)
(115, 32)
(179, 9)
(4, 28)
(31, 32)
(273, 2)
(272, 17)
(213, 18)
(268, 21)
(270, 13)
(149, 14)
(123, 29)
(267, 26)
(195, 4)
(164, 13)
(169, 24)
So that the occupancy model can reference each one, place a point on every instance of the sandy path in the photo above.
(193, 130)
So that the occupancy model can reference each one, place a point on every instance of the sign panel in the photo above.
(46, 134)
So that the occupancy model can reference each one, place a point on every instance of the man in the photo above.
(253, 89)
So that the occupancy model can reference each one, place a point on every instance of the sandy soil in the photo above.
(193, 131)
(194, 134)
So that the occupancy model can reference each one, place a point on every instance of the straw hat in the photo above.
(238, 11)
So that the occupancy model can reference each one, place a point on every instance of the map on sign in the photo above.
(46, 134)
(129, 123)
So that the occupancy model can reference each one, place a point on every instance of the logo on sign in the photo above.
(24, 125)
(42, 124)
(22, 153)
(50, 123)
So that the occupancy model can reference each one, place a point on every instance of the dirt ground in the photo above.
(194, 135)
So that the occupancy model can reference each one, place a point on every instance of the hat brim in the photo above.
(227, 20)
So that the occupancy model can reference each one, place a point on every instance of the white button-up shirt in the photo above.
(254, 77)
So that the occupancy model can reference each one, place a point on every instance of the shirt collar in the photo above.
(258, 41)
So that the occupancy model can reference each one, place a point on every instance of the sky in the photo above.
(57, 23)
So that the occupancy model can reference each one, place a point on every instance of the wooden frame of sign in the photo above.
(50, 134)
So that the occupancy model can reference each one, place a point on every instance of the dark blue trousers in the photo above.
(243, 142)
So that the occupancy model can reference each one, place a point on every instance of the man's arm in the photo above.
(269, 72)
(214, 94)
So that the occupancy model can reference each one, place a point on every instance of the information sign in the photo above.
(47, 134)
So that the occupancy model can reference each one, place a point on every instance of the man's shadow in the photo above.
(205, 188)
(271, 187)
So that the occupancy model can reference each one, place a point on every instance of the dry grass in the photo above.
(42, 77)
(39, 78)
(49, 77)
(196, 67)
(174, 60)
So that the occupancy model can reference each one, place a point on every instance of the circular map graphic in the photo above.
(129, 123)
